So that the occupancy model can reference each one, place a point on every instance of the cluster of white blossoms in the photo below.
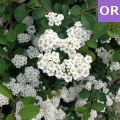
(105, 41)
(23, 38)
(76, 66)
(31, 29)
(54, 18)
(3, 100)
(32, 52)
(25, 90)
(117, 97)
(32, 76)
(117, 39)
(79, 32)
(48, 41)
(28, 20)
(104, 55)
(19, 60)
(115, 66)
(93, 114)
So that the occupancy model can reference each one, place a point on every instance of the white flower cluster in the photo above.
(32, 52)
(117, 39)
(79, 32)
(25, 90)
(93, 114)
(19, 60)
(105, 41)
(115, 66)
(109, 101)
(23, 38)
(35, 39)
(31, 29)
(54, 18)
(117, 97)
(104, 55)
(19, 105)
(48, 41)
(28, 20)
(32, 76)
(51, 112)
(77, 66)
(3, 100)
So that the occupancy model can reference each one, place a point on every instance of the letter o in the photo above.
(102, 8)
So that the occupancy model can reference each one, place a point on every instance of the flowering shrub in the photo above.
(57, 62)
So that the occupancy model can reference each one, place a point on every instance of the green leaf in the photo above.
(83, 49)
(2, 65)
(2, 9)
(81, 110)
(91, 43)
(75, 10)
(25, 119)
(44, 22)
(105, 36)
(84, 94)
(20, 28)
(107, 47)
(114, 74)
(39, 13)
(43, 28)
(6, 78)
(19, 51)
(9, 117)
(116, 56)
(99, 29)
(65, 10)
(3, 40)
(88, 21)
(28, 100)
(7, 17)
(86, 116)
(57, 8)
(11, 35)
(29, 111)
(76, 18)
(66, 21)
(2, 51)
(19, 13)
(101, 96)
(58, 93)
(47, 4)
(89, 52)
(112, 33)
(62, 36)
(98, 106)
(6, 92)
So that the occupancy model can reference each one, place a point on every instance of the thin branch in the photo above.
(46, 8)
(5, 58)
(91, 11)
(10, 14)
(13, 109)
(23, 4)
(88, 8)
